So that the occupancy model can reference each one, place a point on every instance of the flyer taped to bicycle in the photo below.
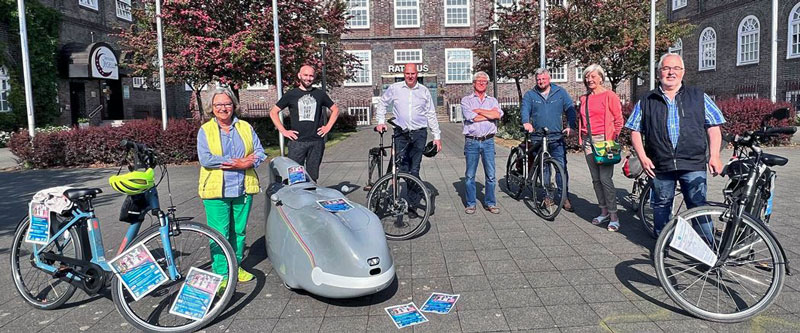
(138, 271)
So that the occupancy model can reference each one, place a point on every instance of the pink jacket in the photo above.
(613, 120)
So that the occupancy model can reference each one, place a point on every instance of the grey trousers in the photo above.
(601, 181)
(309, 154)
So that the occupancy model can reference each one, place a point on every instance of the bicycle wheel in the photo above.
(741, 287)
(514, 183)
(548, 188)
(38, 287)
(646, 210)
(405, 215)
(190, 248)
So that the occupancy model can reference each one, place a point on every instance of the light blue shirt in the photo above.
(413, 108)
(232, 147)
(480, 128)
(713, 117)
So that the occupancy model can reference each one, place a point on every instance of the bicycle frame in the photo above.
(541, 155)
(96, 238)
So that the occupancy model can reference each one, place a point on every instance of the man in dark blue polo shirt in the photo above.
(544, 106)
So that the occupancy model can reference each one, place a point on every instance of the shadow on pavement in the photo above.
(630, 277)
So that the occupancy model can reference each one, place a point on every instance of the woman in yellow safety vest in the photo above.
(229, 151)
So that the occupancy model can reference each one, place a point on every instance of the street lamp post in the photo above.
(322, 35)
(494, 29)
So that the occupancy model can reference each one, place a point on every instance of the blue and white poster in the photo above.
(405, 315)
(297, 174)
(138, 271)
(194, 298)
(440, 303)
(39, 228)
(335, 205)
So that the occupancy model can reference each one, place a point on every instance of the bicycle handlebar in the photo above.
(144, 156)
(752, 137)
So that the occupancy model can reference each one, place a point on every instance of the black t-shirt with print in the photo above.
(305, 110)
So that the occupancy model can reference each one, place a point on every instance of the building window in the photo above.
(639, 81)
(406, 13)
(708, 49)
(793, 40)
(746, 96)
(458, 65)
(677, 48)
(793, 96)
(504, 4)
(359, 12)
(678, 4)
(456, 13)
(362, 114)
(748, 41)
(408, 56)
(139, 82)
(258, 86)
(554, 3)
(579, 74)
(361, 76)
(5, 88)
(558, 74)
(88, 3)
(124, 9)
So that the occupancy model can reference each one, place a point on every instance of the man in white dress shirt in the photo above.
(414, 111)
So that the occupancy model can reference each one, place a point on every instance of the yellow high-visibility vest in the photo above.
(210, 182)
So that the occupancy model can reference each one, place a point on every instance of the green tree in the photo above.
(232, 41)
(612, 33)
(43, 30)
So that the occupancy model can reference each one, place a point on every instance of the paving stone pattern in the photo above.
(514, 271)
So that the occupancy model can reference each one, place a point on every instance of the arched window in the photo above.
(677, 47)
(793, 40)
(708, 49)
(748, 41)
(5, 88)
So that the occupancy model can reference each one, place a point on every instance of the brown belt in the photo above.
(480, 138)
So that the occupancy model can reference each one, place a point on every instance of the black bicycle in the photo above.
(399, 199)
(642, 194)
(546, 183)
(734, 268)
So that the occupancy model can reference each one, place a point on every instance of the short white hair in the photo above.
(479, 74)
(665, 55)
(595, 68)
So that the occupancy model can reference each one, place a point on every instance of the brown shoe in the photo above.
(548, 202)
(470, 210)
(568, 206)
(493, 209)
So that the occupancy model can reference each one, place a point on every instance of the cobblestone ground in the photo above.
(514, 271)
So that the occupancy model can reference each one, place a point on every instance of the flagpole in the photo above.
(161, 79)
(26, 67)
(278, 79)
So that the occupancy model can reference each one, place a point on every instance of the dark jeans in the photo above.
(410, 146)
(693, 186)
(308, 153)
(558, 150)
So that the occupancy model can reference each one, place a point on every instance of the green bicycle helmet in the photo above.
(134, 182)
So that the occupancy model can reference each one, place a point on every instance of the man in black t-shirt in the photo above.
(308, 127)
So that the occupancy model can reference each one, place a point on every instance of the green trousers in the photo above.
(229, 217)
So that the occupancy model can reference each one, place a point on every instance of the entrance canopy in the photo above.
(93, 61)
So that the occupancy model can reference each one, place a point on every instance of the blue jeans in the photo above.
(483, 150)
(693, 187)
(409, 148)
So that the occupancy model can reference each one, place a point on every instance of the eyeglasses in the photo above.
(675, 68)
(481, 81)
(223, 105)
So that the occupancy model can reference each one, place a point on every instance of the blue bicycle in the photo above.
(47, 275)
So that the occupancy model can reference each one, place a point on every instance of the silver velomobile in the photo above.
(320, 242)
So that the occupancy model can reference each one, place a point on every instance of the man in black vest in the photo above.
(680, 126)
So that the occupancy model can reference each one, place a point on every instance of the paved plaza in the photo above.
(514, 271)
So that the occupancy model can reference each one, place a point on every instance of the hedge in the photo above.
(81, 147)
(740, 116)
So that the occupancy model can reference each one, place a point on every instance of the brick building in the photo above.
(91, 85)
(437, 35)
(729, 51)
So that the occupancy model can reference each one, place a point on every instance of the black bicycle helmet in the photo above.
(430, 150)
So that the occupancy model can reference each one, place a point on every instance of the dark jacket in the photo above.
(690, 154)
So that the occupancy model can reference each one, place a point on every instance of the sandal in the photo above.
(470, 210)
(599, 219)
(493, 209)
(613, 226)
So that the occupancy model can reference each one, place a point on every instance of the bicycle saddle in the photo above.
(773, 160)
(81, 193)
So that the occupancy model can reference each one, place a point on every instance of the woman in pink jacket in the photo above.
(605, 120)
